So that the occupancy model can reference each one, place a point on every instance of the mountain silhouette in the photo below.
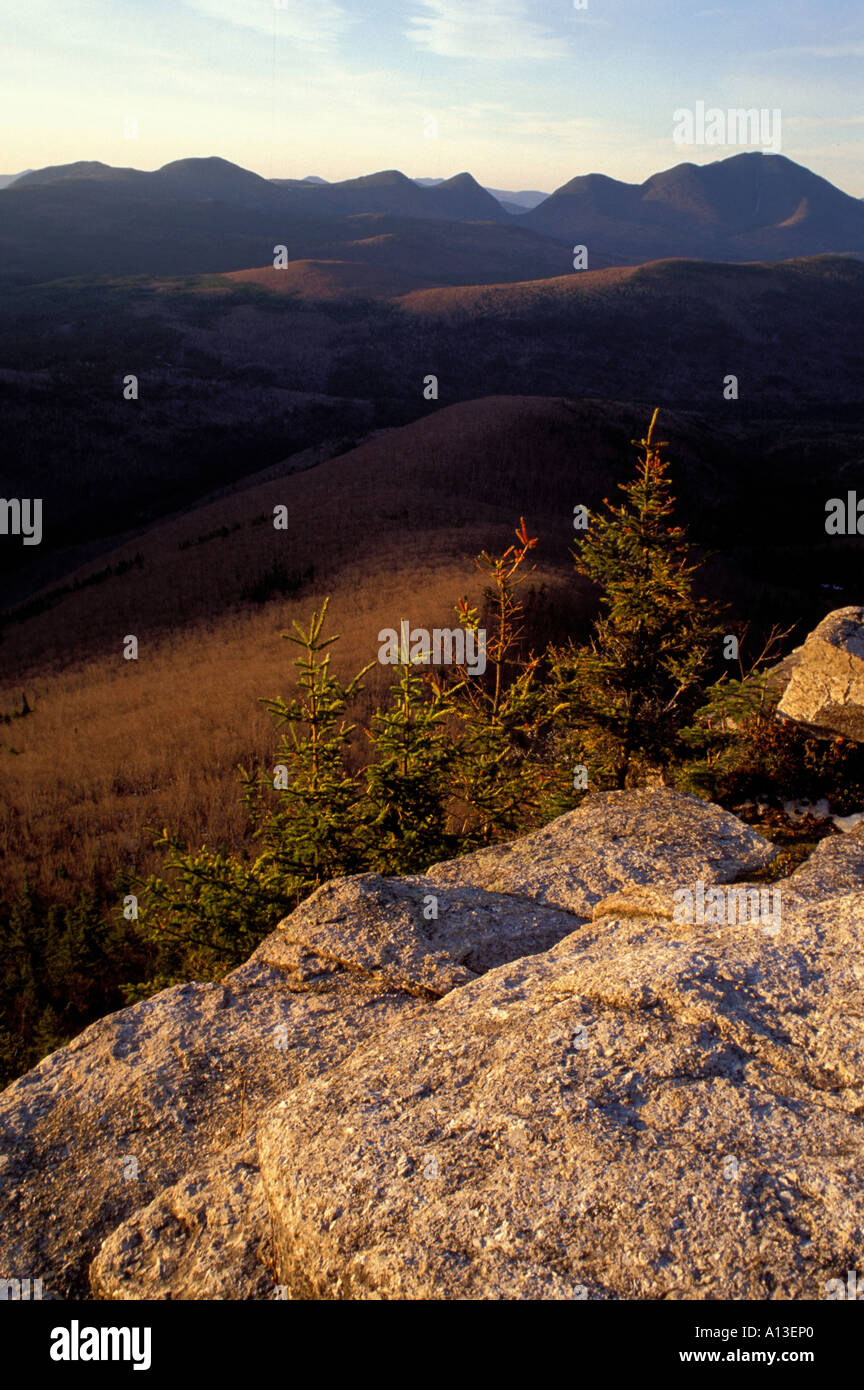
(82, 169)
(213, 178)
(752, 204)
(203, 215)
(6, 179)
(184, 178)
(515, 202)
(458, 199)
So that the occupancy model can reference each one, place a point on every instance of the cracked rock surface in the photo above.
(616, 840)
(517, 1076)
(156, 1093)
(627, 1115)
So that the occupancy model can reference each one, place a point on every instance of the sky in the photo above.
(525, 95)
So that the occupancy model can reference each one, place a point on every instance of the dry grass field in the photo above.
(388, 530)
(114, 747)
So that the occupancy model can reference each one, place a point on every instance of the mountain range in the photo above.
(752, 206)
(202, 215)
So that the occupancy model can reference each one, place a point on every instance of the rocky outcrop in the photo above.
(624, 1116)
(835, 868)
(615, 840)
(146, 1095)
(518, 1076)
(823, 680)
(151, 1095)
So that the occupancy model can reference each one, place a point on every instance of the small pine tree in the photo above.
(503, 621)
(207, 910)
(655, 642)
(310, 830)
(211, 908)
(408, 784)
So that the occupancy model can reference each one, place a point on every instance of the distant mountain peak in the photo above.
(80, 169)
(213, 179)
(750, 204)
(195, 161)
(212, 166)
(463, 180)
(385, 178)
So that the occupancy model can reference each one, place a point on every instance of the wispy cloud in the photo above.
(483, 29)
(832, 50)
(511, 121)
(838, 122)
(312, 24)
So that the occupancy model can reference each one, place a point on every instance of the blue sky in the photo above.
(524, 94)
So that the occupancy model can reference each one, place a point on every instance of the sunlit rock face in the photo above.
(824, 678)
(521, 1075)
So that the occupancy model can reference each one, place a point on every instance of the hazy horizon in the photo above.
(511, 187)
(523, 95)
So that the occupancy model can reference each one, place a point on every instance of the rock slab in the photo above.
(517, 1076)
(824, 679)
(629, 1115)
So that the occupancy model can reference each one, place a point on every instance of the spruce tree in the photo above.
(306, 812)
(209, 908)
(636, 685)
(408, 782)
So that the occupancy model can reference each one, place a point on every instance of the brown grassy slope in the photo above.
(329, 279)
(729, 291)
(114, 746)
(410, 500)
(236, 377)
(670, 330)
(390, 528)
